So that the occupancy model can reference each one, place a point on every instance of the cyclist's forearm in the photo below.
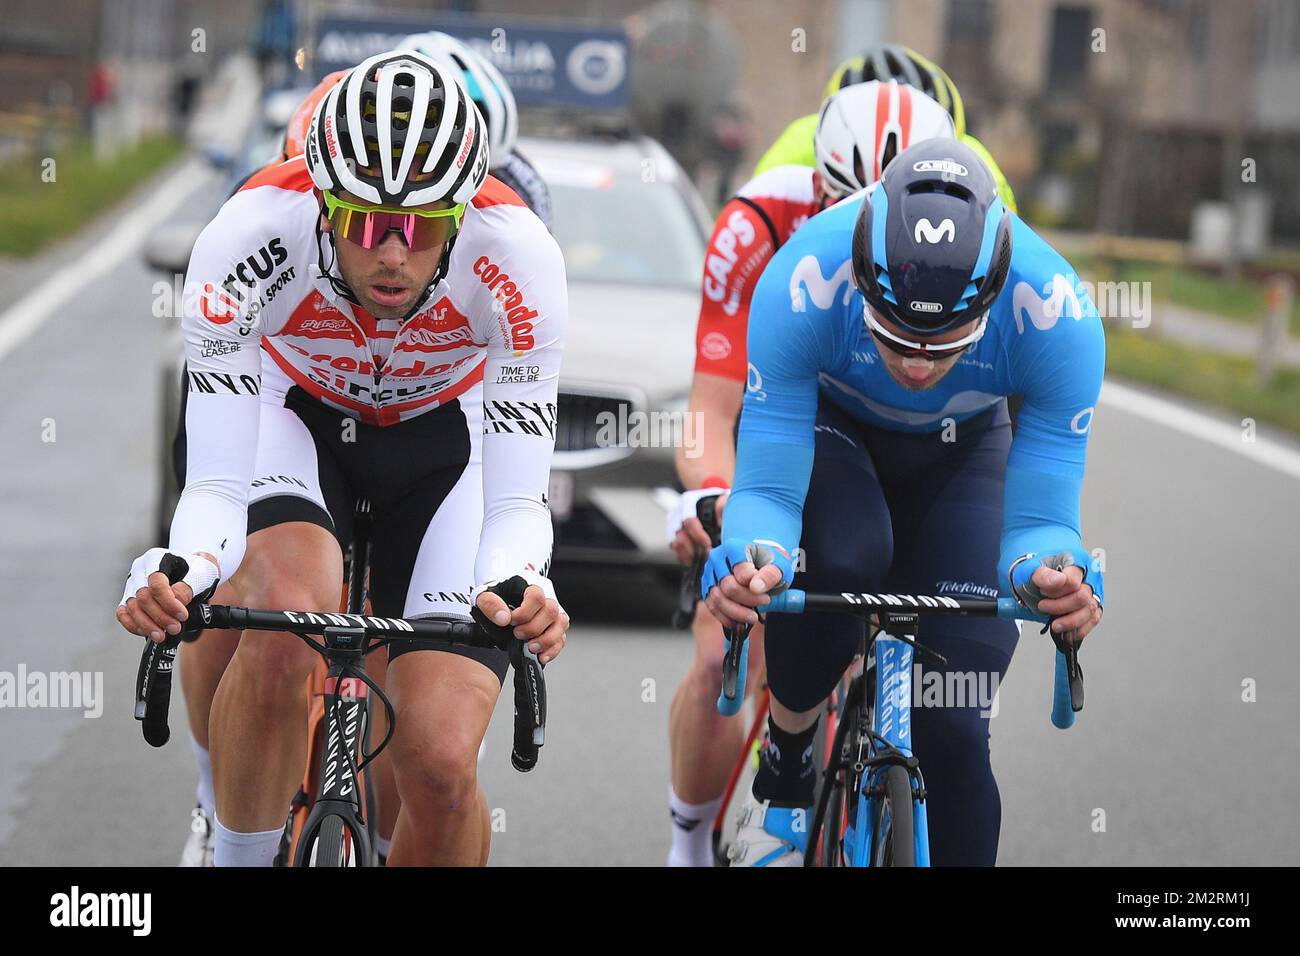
(1040, 516)
(767, 502)
(212, 514)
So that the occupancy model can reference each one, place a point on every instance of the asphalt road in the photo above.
(1167, 765)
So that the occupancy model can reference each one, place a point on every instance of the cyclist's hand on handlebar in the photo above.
(686, 535)
(151, 606)
(539, 620)
(740, 577)
(1068, 600)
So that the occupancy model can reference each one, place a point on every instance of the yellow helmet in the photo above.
(893, 61)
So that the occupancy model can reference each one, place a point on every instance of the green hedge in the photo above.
(1227, 381)
(34, 213)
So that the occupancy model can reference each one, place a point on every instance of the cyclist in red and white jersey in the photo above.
(377, 318)
(860, 129)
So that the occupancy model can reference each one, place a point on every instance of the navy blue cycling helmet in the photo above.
(932, 244)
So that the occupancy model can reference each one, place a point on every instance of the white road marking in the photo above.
(1170, 415)
(45, 301)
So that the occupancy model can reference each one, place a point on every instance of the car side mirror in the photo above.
(169, 246)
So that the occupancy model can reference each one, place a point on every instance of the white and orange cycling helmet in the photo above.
(864, 126)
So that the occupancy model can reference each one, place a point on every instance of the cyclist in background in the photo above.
(889, 61)
(491, 94)
(860, 130)
(883, 340)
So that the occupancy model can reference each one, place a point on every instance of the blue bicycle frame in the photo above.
(892, 713)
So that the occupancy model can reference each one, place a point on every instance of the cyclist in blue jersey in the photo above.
(884, 338)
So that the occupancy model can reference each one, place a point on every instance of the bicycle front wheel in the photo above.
(334, 845)
(894, 842)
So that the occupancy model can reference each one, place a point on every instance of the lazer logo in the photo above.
(518, 317)
(926, 232)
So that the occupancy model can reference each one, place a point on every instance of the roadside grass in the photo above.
(1239, 301)
(34, 213)
(1223, 380)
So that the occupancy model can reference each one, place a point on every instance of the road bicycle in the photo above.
(871, 806)
(335, 827)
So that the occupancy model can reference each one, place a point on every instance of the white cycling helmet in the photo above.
(484, 82)
(398, 129)
(862, 127)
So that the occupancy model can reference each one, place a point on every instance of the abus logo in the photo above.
(926, 306)
(940, 166)
(925, 231)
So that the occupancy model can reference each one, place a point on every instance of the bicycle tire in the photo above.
(827, 833)
(895, 843)
(334, 846)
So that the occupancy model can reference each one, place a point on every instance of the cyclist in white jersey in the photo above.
(410, 313)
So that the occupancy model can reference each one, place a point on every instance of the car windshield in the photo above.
(615, 228)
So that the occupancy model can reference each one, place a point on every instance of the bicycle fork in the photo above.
(884, 740)
(346, 699)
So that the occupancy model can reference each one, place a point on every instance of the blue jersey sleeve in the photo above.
(1057, 356)
(790, 334)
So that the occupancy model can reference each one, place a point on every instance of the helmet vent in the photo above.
(956, 190)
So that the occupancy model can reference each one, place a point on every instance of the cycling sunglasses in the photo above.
(368, 225)
(910, 349)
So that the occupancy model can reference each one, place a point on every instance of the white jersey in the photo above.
(259, 318)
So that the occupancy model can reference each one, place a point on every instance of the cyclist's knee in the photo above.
(440, 775)
(275, 665)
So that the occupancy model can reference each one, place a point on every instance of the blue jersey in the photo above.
(808, 341)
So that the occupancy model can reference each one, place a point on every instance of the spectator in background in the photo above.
(101, 89)
(275, 42)
(730, 139)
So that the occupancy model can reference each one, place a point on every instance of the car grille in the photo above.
(578, 420)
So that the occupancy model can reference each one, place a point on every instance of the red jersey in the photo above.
(751, 227)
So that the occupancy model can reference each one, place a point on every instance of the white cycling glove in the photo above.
(685, 508)
(201, 576)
